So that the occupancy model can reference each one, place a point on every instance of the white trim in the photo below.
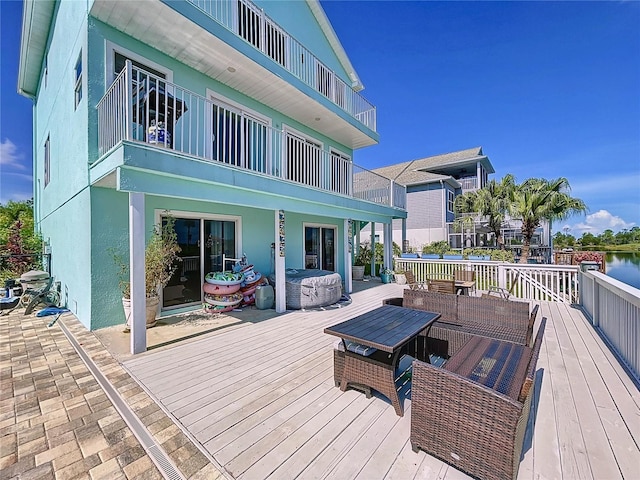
(110, 48)
(335, 151)
(288, 129)
(218, 98)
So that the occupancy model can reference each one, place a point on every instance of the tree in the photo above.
(491, 202)
(538, 199)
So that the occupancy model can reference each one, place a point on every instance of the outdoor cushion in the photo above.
(360, 349)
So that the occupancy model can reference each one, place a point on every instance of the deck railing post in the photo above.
(128, 99)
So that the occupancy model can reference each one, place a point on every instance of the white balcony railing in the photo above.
(554, 283)
(142, 107)
(249, 22)
(613, 308)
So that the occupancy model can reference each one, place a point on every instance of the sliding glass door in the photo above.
(319, 248)
(203, 243)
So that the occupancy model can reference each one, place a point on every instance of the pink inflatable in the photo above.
(220, 289)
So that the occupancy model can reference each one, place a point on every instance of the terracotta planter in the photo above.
(151, 312)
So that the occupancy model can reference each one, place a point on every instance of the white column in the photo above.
(373, 249)
(279, 263)
(136, 273)
(388, 246)
(347, 246)
(404, 234)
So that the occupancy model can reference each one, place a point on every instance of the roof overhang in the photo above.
(330, 33)
(36, 23)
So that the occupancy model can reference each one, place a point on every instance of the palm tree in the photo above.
(538, 199)
(491, 201)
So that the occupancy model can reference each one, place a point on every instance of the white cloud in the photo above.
(9, 155)
(598, 222)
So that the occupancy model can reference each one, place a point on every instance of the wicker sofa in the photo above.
(464, 316)
(461, 414)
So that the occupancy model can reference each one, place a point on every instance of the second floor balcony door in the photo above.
(239, 139)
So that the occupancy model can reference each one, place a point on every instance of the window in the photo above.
(47, 160)
(119, 61)
(250, 23)
(78, 80)
(46, 69)
(450, 198)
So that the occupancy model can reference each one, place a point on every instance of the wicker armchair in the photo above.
(470, 425)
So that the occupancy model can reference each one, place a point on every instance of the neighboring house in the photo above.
(432, 184)
(238, 118)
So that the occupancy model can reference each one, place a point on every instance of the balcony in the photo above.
(237, 44)
(140, 107)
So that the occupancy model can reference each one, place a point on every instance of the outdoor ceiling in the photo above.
(148, 21)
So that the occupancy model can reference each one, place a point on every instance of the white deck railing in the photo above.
(249, 22)
(142, 107)
(556, 283)
(613, 307)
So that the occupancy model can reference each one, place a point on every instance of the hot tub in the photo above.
(311, 288)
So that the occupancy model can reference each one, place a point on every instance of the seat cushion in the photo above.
(360, 349)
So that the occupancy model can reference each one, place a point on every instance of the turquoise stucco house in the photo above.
(236, 117)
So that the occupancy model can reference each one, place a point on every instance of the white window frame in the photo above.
(450, 200)
(320, 225)
(109, 73)
(77, 87)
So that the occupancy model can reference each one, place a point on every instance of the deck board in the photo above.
(260, 398)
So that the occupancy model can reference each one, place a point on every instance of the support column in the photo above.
(388, 245)
(136, 273)
(373, 249)
(279, 263)
(348, 254)
(405, 245)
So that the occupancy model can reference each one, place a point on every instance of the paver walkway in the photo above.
(56, 421)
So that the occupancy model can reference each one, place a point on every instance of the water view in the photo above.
(624, 266)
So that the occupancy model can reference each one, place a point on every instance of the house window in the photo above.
(46, 69)
(78, 80)
(450, 198)
(47, 162)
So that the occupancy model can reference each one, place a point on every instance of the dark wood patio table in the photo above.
(389, 329)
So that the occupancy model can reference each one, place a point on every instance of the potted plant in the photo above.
(160, 256)
(400, 278)
(362, 259)
(386, 275)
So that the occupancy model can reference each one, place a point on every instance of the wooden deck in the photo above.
(260, 398)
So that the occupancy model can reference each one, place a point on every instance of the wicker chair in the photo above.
(470, 425)
(441, 286)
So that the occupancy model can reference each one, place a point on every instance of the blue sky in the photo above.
(548, 89)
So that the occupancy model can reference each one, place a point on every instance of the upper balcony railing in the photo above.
(468, 183)
(250, 23)
(142, 107)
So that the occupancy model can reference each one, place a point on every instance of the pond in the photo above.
(624, 266)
